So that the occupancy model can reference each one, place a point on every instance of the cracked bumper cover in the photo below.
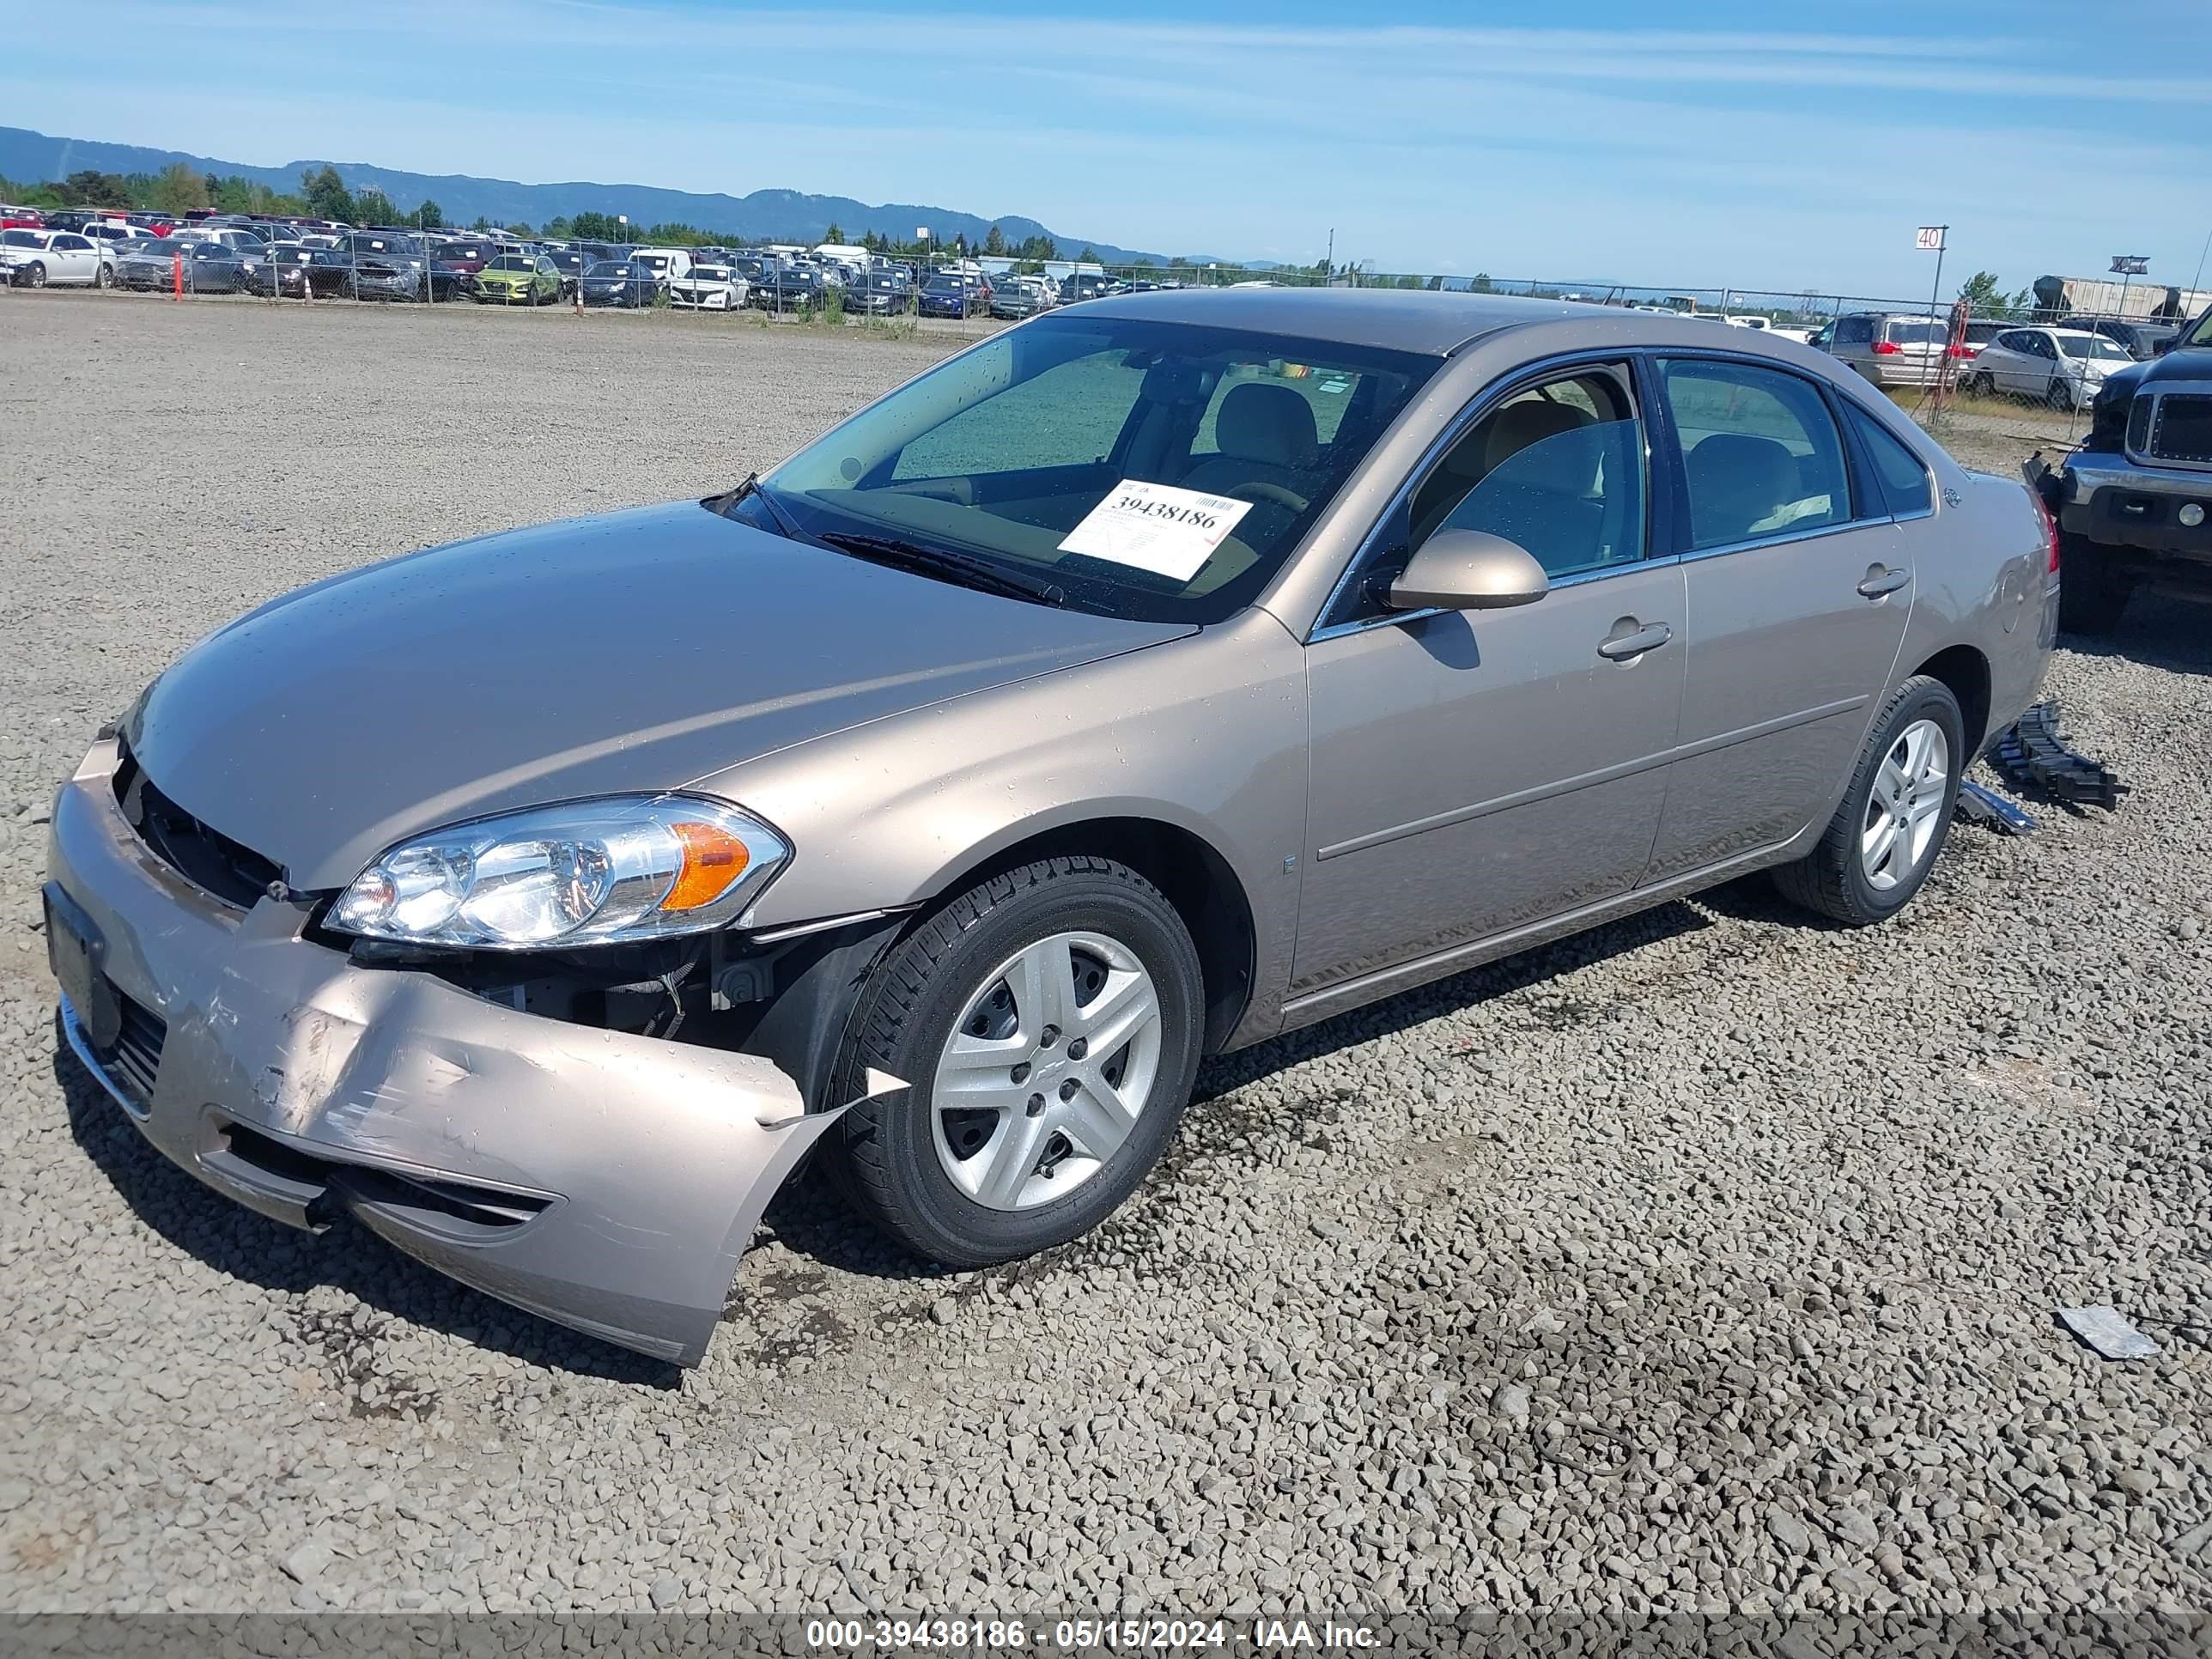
(638, 1168)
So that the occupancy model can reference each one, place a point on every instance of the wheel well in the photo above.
(1966, 671)
(1195, 878)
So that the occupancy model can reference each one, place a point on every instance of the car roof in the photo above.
(1397, 320)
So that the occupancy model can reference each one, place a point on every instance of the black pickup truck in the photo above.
(2136, 498)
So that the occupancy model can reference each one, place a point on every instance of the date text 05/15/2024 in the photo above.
(1091, 1635)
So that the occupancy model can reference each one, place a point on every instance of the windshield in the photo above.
(1009, 453)
(22, 239)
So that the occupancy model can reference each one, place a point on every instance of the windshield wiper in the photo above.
(750, 485)
(940, 562)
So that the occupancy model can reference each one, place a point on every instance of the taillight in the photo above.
(1959, 351)
(1887, 348)
(2050, 530)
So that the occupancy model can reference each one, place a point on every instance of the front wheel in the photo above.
(105, 279)
(35, 276)
(2060, 394)
(1049, 1023)
(1883, 840)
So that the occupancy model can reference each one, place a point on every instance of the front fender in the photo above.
(1205, 734)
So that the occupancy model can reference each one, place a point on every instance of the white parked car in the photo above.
(2061, 367)
(708, 288)
(32, 259)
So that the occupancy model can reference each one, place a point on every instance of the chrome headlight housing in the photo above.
(589, 872)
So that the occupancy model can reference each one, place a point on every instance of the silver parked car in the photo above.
(1889, 348)
(2064, 367)
(1147, 681)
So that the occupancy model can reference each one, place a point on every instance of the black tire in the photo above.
(2091, 595)
(34, 274)
(2059, 394)
(106, 278)
(885, 1149)
(1831, 879)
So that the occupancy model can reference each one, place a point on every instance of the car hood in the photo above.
(2194, 363)
(635, 651)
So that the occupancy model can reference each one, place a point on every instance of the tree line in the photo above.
(179, 189)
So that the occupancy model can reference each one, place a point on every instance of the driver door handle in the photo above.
(1881, 580)
(1622, 648)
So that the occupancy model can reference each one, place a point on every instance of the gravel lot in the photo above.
(1706, 1259)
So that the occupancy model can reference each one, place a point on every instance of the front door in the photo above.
(1799, 592)
(1474, 772)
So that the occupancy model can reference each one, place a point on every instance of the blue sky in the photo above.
(1762, 145)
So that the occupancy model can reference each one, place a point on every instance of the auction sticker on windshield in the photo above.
(1156, 527)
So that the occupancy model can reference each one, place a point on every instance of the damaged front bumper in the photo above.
(606, 1180)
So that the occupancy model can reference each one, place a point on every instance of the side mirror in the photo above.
(1468, 570)
(2159, 348)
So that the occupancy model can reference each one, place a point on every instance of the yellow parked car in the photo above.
(518, 279)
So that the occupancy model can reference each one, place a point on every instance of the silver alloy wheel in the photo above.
(1046, 1071)
(1906, 806)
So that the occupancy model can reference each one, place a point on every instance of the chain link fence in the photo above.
(1921, 350)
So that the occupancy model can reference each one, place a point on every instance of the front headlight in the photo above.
(591, 872)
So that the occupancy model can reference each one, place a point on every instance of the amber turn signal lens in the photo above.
(713, 859)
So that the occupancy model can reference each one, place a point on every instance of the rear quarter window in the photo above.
(1906, 487)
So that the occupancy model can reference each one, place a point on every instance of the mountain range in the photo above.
(29, 157)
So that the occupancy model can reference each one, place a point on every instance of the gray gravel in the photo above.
(1706, 1259)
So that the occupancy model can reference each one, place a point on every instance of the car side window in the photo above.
(1761, 455)
(1558, 467)
(1905, 481)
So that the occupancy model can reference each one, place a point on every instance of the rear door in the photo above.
(2003, 361)
(1797, 589)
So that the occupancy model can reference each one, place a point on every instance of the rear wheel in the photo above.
(1885, 836)
(1047, 1021)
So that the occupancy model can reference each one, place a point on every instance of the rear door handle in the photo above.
(1879, 581)
(1620, 648)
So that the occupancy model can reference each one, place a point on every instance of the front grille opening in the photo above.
(2183, 431)
(274, 1157)
(482, 1207)
(210, 859)
(2139, 424)
(134, 1060)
